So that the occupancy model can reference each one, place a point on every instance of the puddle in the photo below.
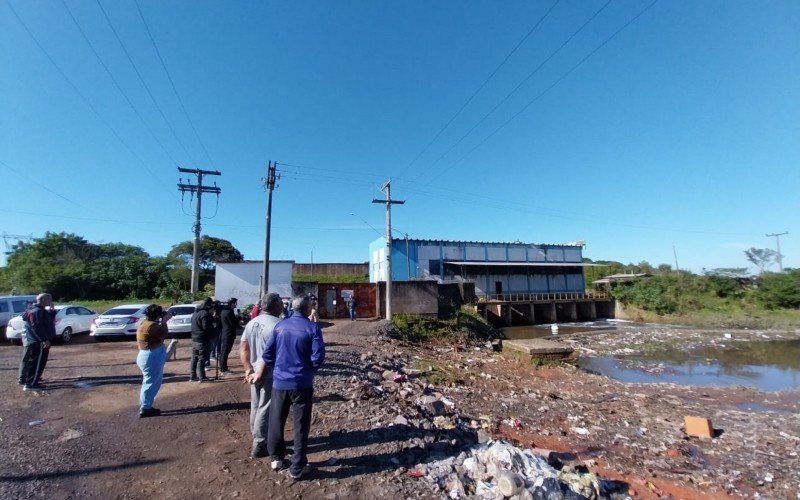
(765, 365)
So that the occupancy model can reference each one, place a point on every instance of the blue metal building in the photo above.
(495, 268)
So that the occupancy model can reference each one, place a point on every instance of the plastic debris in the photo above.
(34, 423)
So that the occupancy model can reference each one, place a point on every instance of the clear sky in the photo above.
(635, 129)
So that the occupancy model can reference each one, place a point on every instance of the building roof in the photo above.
(577, 244)
(525, 264)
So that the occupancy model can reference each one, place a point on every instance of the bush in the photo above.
(780, 290)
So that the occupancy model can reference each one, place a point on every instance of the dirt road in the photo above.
(81, 437)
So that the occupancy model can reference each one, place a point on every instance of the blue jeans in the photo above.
(151, 362)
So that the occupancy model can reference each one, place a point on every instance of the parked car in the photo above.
(69, 318)
(118, 321)
(13, 305)
(181, 321)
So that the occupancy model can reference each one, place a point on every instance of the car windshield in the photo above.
(182, 310)
(124, 311)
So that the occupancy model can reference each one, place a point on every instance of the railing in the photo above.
(542, 297)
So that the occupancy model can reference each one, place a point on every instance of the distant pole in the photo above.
(778, 245)
(312, 263)
(198, 189)
(387, 188)
(269, 184)
(675, 253)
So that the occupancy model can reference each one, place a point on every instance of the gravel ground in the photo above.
(384, 411)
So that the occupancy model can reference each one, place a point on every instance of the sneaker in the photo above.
(226, 372)
(149, 412)
(258, 451)
(193, 379)
(299, 475)
(203, 380)
(33, 387)
(277, 465)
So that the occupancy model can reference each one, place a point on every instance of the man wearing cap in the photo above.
(230, 325)
(40, 330)
(251, 348)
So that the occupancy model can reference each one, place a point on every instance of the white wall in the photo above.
(243, 280)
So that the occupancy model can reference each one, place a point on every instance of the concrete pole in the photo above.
(196, 247)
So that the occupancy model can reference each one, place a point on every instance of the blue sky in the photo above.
(681, 130)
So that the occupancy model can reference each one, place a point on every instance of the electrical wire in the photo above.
(520, 84)
(117, 85)
(83, 96)
(172, 83)
(548, 89)
(144, 84)
(480, 87)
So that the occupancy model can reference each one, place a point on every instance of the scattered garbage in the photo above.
(70, 434)
(34, 423)
(498, 468)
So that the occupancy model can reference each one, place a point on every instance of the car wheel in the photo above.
(66, 335)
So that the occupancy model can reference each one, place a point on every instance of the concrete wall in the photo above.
(410, 297)
(332, 269)
(243, 280)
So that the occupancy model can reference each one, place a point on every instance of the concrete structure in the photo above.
(495, 268)
(538, 347)
(332, 269)
(243, 280)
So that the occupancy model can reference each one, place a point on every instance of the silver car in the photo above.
(181, 321)
(118, 321)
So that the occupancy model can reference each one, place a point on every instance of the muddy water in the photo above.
(669, 353)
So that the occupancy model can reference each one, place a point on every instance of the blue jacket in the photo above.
(295, 350)
(39, 325)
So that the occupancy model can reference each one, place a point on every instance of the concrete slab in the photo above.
(537, 346)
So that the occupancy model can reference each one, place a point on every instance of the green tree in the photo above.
(55, 263)
(762, 258)
(212, 250)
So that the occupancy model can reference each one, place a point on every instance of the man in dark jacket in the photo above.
(40, 330)
(202, 333)
(295, 350)
(230, 324)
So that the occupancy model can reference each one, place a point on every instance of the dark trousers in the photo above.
(300, 401)
(226, 345)
(198, 370)
(34, 359)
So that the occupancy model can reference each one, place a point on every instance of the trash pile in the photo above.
(498, 469)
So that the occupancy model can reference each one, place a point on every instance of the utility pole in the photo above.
(269, 185)
(675, 253)
(387, 188)
(199, 189)
(778, 244)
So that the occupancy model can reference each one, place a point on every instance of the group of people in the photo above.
(281, 358)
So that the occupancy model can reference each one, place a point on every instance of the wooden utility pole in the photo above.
(387, 188)
(198, 189)
(269, 185)
(779, 257)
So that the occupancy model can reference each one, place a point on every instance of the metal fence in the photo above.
(543, 297)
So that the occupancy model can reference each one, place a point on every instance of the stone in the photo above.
(435, 408)
(400, 420)
(698, 427)
(483, 436)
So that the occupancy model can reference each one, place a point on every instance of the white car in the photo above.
(70, 319)
(118, 321)
(181, 321)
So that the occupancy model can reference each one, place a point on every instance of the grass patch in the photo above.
(440, 374)
(465, 327)
(732, 316)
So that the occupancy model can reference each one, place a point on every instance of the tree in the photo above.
(780, 290)
(212, 250)
(762, 258)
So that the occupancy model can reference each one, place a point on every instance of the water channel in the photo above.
(689, 356)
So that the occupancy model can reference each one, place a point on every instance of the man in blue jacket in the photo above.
(40, 330)
(296, 350)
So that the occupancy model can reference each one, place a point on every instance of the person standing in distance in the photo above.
(351, 307)
(251, 348)
(40, 330)
(295, 351)
(150, 337)
(202, 332)
(230, 325)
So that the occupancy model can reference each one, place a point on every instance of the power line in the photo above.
(81, 94)
(116, 83)
(522, 82)
(144, 84)
(172, 83)
(480, 87)
(548, 89)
